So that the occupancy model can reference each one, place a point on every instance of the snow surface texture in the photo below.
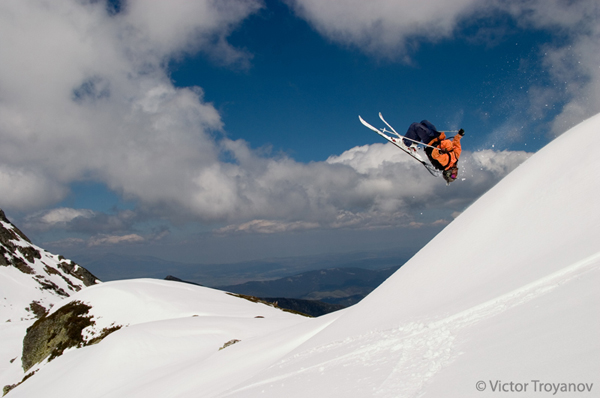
(506, 297)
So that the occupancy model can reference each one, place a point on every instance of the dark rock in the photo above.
(30, 253)
(176, 279)
(38, 309)
(50, 335)
(78, 272)
(14, 233)
(313, 308)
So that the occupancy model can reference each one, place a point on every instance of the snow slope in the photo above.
(32, 280)
(29, 273)
(167, 327)
(508, 291)
(506, 297)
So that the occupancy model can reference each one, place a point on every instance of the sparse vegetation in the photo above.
(50, 335)
(103, 333)
(8, 388)
(38, 310)
(30, 253)
(230, 342)
(273, 304)
(22, 266)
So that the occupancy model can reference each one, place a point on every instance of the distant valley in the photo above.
(110, 267)
(343, 286)
(312, 285)
(315, 292)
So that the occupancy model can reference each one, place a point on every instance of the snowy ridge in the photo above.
(417, 350)
(32, 282)
(532, 239)
(167, 327)
(506, 295)
(32, 279)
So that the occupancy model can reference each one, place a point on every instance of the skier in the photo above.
(422, 132)
(444, 154)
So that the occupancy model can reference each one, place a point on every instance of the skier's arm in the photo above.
(437, 140)
(456, 144)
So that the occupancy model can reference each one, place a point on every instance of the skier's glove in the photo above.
(461, 132)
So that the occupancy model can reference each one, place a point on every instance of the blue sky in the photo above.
(302, 93)
(215, 132)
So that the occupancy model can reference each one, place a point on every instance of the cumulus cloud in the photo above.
(23, 188)
(371, 186)
(85, 94)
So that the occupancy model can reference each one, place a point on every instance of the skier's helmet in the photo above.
(451, 174)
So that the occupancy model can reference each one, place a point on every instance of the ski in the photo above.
(399, 144)
(389, 125)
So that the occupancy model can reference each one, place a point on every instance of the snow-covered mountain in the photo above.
(32, 279)
(504, 300)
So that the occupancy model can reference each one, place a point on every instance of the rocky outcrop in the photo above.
(51, 335)
(77, 271)
(51, 273)
(37, 280)
(13, 233)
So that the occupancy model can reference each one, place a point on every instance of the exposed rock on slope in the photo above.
(50, 335)
(32, 279)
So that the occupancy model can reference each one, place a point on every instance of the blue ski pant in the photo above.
(419, 132)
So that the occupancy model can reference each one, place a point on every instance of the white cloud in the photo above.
(23, 189)
(84, 221)
(64, 215)
(383, 27)
(499, 163)
(103, 240)
(573, 65)
(266, 227)
(372, 186)
(86, 95)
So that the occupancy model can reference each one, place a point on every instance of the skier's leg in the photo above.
(412, 133)
(425, 134)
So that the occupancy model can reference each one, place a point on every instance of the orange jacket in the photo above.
(447, 151)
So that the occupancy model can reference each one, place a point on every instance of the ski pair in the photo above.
(398, 142)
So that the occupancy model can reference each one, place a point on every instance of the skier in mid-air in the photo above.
(444, 153)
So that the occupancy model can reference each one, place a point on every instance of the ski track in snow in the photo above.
(415, 351)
